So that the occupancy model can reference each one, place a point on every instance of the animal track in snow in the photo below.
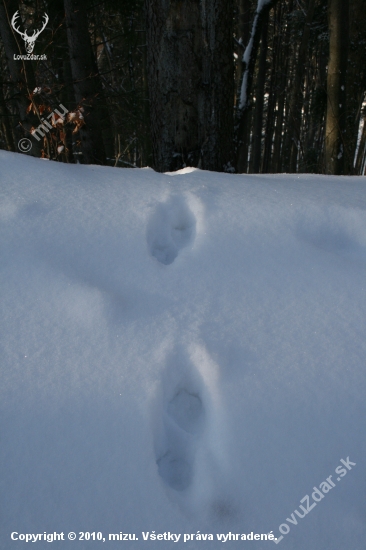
(189, 436)
(171, 228)
(186, 409)
(180, 423)
(175, 471)
(183, 419)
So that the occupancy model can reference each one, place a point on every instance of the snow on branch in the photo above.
(250, 52)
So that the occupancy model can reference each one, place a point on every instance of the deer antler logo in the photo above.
(29, 40)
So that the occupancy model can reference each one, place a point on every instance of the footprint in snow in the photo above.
(180, 423)
(171, 228)
(186, 409)
(183, 420)
(188, 437)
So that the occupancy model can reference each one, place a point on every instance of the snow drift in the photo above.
(181, 352)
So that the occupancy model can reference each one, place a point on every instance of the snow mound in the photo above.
(181, 355)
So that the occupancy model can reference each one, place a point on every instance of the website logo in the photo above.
(28, 40)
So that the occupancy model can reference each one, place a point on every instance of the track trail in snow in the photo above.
(190, 446)
(189, 418)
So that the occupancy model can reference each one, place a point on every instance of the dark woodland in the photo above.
(238, 86)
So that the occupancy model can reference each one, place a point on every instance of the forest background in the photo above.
(241, 86)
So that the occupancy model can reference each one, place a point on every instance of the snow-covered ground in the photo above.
(180, 353)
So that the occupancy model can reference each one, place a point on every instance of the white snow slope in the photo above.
(180, 353)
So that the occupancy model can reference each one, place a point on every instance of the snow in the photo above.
(181, 354)
(246, 58)
(248, 53)
(262, 3)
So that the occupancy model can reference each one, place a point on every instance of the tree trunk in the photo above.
(244, 24)
(297, 99)
(87, 84)
(259, 100)
(191, 83)
(336, 86)
(244, 27)
(283, 70)
(356, 78)
(249, 59)
(294, 96)
(273, 89)
(361, 150)
(147, 158)
(5, 121)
